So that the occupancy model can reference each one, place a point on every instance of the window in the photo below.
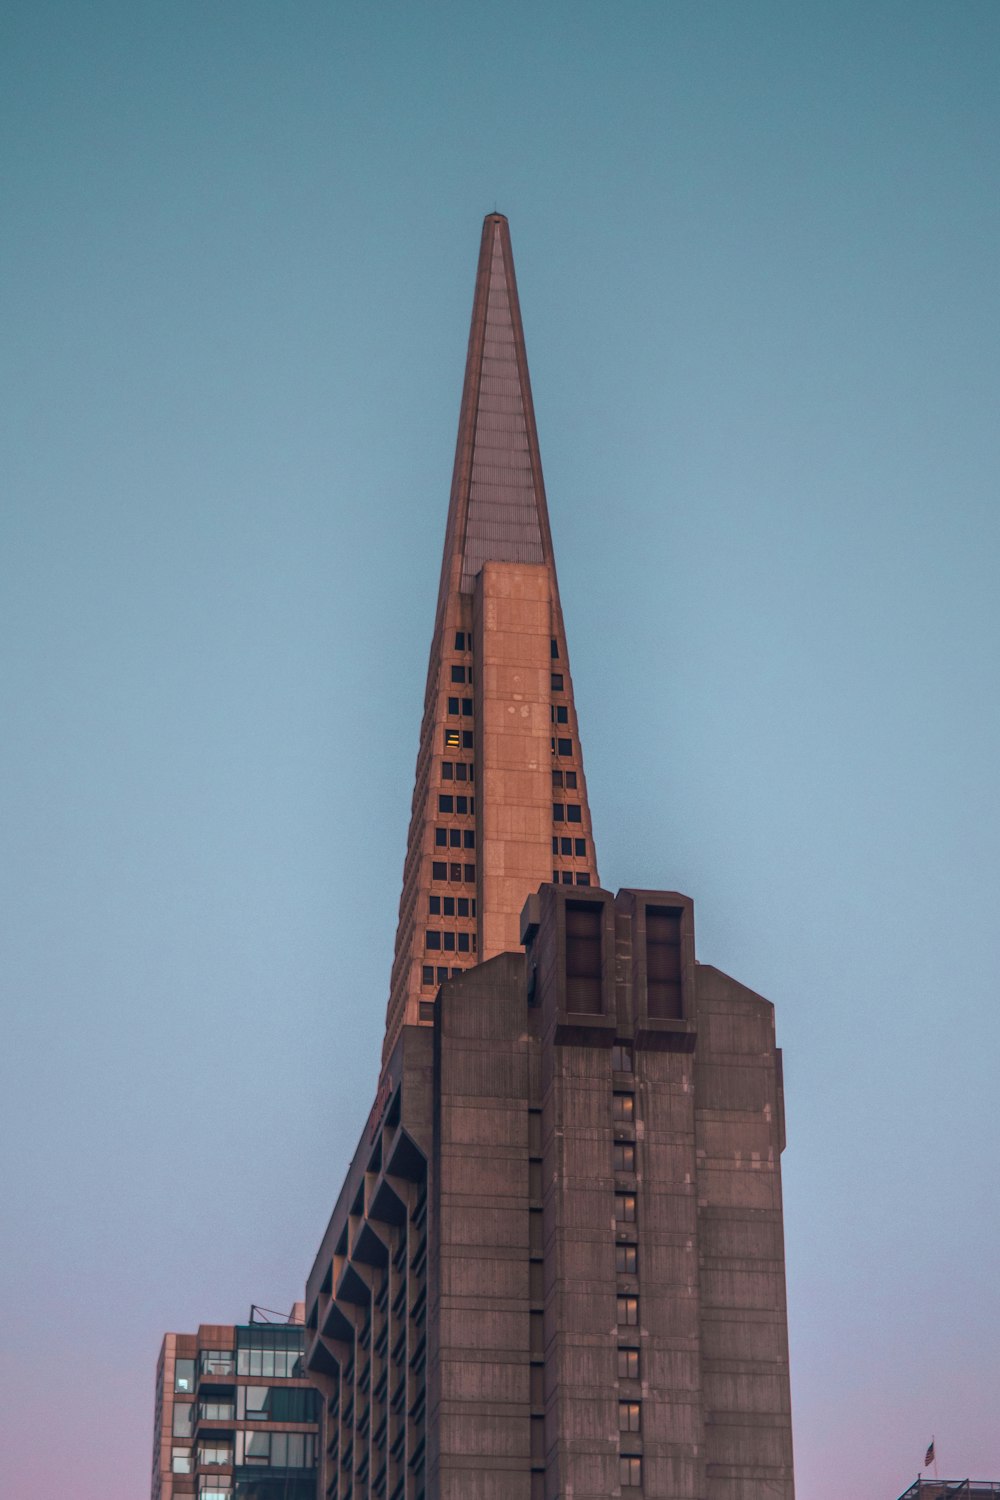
(459, 640)
(466, 708)
(215, 1453)
(558, 812)
(628, 1416)
(555, 846)
(470, 873)
(469, 838)
(624, 1156)
(663, 962)
(580, 848)
(555, 877)
(216, 1411)
(573, 812)
(557, 682)
(628, 1311)
(583, 878)
(567, 877)
(439, 870)
(453, 705)
(455, 838)
(463, 942)
(554, 648)
(183, 1419)
(571, 778)
(433, 939)
(449, 941)
(626, 1260)
(565, 747)
(628, 1364)
(180, 1460)
(451, 738)
(427, 975)
(566, 846)
(584, 922)
(184, 1376)
(447, 770)
(425, 1010)
(458, 674)
(448, 906)
(441, 837)
(466, 739)
(217, 1362)
(462, 805)
(621, 1057)
(557, 778)
(464, 772)
(462, 906)
(442, 975)
(623, 1107)
(625, 1208)
(630, 1473)
(434, 906)
(446, 804)
(560, 714)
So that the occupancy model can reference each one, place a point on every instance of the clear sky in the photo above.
(757, 247)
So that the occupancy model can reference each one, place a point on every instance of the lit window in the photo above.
(628, 1311)
(451, 739)
(623, 1107)
(630, 1473)
(628, 1416)
(628, 1364)
(624, 1155)
(621, 1058)
(184, 1377)
(625, 1208)
(625, 1260)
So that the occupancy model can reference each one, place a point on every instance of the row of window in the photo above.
(566, 876)
(462, 770)
(442, 871)
(455, 838)
(439, 975)
(576, 848)
(564, 778)
(461, 674)
(626, 1264)
(559, 713)
(557, 682)
(449, 803)
(562, 747)
(452, 906)
(567, 812)
(466, 707)
(451, 942)
(461, 739)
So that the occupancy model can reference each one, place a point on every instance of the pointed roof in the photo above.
(497, 511)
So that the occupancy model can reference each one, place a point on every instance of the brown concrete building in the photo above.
(556, 1267)
(235, 1416)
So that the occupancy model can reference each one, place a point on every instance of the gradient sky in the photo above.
(757, 247)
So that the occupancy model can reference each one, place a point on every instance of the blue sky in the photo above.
(757, 250)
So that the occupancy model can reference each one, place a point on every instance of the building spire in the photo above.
(500, 803)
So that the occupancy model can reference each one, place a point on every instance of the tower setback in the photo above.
(556, 1265)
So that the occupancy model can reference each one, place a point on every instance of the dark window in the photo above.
(456, 872)
(435, 906)
(442, 975)
(623, 1107)
(628, 1311)
(565, 747)
(463, 942)
(455, 973)
(558, 812)
(462, 772)
(580, 848)
(449, 942)
(455, 838)
(663, 962)
(466, 739)
(462, 906)
(458, 674)
(469, 838)
(459, 640)
(427, 1010)
(555, 877)
(562, 714)
(446, 803)
(451, 739)
(470, 874)
(467, 708)
(630, 1473)
(555, 845)
(624, 1156)
(447, 771)
(449, 906)
(433, 940)
(183, 1419)
(557, 682)
(554, 647)
(453, 705)
(583, 878)
(573, 812)
(440, 837)
(566, 846)
(628, 1364)
(583, 956)
(567, 877)
(621, 1057)
(557, 778)
(625, 1260)
(628, 1416)
(625, 1208)
(571, 778)
(461, 804)
(428, 974)
(439, 871)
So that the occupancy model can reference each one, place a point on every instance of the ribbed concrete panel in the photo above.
(502, 519)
